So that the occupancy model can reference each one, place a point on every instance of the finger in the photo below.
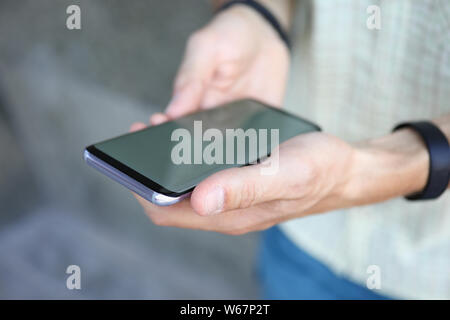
(194, 75)
(187, 99)
(137, 126)
(158, 118)
(215, 97)
(181, 215)
(236, 188)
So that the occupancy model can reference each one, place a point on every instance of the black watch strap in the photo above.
(439, 150)
(263, 11)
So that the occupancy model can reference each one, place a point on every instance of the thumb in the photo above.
(194, 75)
(235, 188)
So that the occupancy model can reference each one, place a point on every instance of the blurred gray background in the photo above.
(61, 90)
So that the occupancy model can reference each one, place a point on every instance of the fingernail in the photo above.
(214, 201)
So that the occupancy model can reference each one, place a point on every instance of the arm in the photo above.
(400, 161)
(317, 173)
(391, 166)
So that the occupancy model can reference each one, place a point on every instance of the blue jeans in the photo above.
(287, 272)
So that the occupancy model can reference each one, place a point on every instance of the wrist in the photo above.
(281, 9)
(391, 166)
(259, 18)
(259, 30)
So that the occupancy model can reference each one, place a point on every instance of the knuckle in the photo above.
(247, 196)
(226, 70)
(311, 172)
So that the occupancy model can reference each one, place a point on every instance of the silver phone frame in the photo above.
(130, 183)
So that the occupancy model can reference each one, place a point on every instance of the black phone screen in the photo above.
(175, 156)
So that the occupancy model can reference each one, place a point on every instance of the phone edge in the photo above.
(130, 183)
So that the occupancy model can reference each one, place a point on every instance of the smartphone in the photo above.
(164, 163)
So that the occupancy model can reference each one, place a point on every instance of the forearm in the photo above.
(391, 166)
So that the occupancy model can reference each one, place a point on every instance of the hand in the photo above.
(317, 173)
(312, 177)
(237, 55)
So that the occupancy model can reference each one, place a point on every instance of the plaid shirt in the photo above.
(358, 83)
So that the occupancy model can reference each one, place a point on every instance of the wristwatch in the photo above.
(265, 13)
(439, 151)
